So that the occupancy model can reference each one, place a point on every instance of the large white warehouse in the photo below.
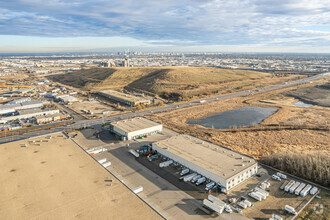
(223, 166)
(135, 127)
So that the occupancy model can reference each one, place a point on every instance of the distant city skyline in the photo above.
(283, 26)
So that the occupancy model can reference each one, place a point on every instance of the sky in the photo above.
(165, 25)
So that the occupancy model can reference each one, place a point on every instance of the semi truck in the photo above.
(195, 178)
(200, 181)
(209, 186)
(290, 209)
(184, 172)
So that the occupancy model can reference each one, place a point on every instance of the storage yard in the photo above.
(51, 177)
(92, 108)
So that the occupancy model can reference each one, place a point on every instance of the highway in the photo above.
(87, 123)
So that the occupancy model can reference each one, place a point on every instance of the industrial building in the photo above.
(29, 115)
(223, 166)
(124, 98)
(134, 128)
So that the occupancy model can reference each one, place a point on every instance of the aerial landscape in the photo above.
(165, 110)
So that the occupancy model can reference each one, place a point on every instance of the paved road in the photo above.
(88, 123)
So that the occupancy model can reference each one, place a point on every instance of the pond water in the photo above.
(244, 116)
(302, 104)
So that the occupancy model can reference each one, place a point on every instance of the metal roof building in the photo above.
(135, 127)
(124, 98)
(223, 166)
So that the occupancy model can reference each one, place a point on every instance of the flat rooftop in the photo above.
(211, 157)
(124, 96)
(58, 180)
(134, 124)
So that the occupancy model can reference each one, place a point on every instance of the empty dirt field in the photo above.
(99, 110)
(55, 179)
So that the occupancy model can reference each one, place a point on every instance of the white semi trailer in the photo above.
(184, 172)
(166, 163)
(306, 190)
(189, 177)
(213, 206)
(136, 154)
(255, 196)
(299, 189)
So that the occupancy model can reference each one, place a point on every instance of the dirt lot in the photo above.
(55, 179)
(94, 106)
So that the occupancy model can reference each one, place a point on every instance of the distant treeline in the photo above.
(314, 167)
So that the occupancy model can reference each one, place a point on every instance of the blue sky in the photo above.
(165, 25)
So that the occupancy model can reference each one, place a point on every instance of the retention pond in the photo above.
(245, 116)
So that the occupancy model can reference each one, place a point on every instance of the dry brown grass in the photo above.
(171, 82)
(260, 141)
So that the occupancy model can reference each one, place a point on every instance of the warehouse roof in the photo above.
(134, 124)
(214, 158)
(121, 95)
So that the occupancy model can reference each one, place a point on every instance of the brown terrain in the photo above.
(290, 130)
(176, 83)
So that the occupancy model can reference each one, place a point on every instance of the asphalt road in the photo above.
(87, 123)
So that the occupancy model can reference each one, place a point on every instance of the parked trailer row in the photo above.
(306, 190)
(189, 177)
(294, 187)
(287, 187)
(166, 163)
(299, 189)
(257, 189)
(216, 200)
(255, 196)
(213, 206)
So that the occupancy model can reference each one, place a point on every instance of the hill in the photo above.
(169, 82)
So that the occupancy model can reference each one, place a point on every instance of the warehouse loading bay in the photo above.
(166, 192)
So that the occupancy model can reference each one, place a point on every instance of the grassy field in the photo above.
(170, 82)
(290, 130)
